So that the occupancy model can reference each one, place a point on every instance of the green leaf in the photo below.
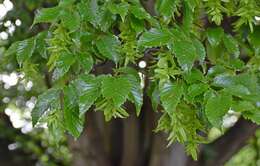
(193, 76)
(217, 106)
(116, 89)
(253, 115)
(71, 20)
(73, 122)
(185, 53)
(25, 50)
(47, 101)
(108, 46)
(139, 12)
(155, 37)
(106, 19)
(90, 12)
(200, 50)
(166, 7)
(89, 89)
(86, 61)
(254, 40)
(12, 49)
(231, 45)
(41, 46)
(215, 35)
(47, 15)
(170, 96)
(136, 93)
(121, 9)
(62, 65)
(197, 89)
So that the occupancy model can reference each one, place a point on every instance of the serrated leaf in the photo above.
(73, 122)
(170, 96)
(121, 9)
(41, 47)
(116, 89)
(48, 100)
(12, 49)
(108, 46)
(47, 15)
(155, 37)
(62, 65)
(89, 89)
(86, 61)
(254, 40)
(71, 20)
(90, 12)
(139, 12)
(253, 115)
(106, 19)
(193, 76)
(136, 93)
(217, 106)
(200, 50)
(197, 89)
(185, 53)
(231, 45)
(166, 7)
(25, 50)
(215, 35)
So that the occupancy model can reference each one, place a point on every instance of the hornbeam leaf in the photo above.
(170, 96)
(25, 50)
(47, 15)
(231, 45)
(185, 53)
(71, 20)
(62, 65)
(73, 121)
(116, 89)
(166, 7)
(215, 35)
(217, 106)
(108, 46)
(121, 9)
(47, 101)
(89, 89)
(136, 95)
(155, 37)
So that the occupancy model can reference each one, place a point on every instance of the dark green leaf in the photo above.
(89, 89)
(185, 53)
(121, 9)
(62, 65)
(170, 96)
(25, 50)
(71, 20)
(108, 46)
(86, 62)
(47, 15)
(116, 89)
(155, 37)
(215, 35)
(217, 106)
(48, 100)
(231, 45)
(73, 122)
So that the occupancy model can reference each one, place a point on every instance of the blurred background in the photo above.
(20, 143)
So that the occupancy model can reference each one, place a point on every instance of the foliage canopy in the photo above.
(203, 60)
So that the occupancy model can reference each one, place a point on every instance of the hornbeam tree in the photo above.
(134, 81)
